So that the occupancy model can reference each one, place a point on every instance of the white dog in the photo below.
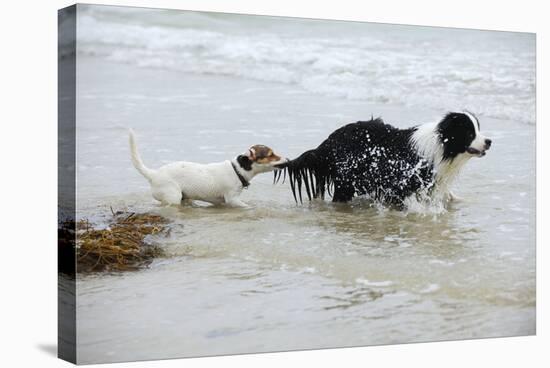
(217, 183)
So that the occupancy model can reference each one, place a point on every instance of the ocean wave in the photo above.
(491, 73)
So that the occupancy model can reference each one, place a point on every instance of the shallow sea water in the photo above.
(282, 276)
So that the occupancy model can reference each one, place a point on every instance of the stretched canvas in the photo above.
(349, 244)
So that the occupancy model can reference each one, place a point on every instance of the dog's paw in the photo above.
(237, 203)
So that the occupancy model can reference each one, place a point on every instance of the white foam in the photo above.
(373, 283)
(431, 288)
(494, 76)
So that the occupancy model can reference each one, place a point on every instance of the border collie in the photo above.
(221, 182)
(388, 164)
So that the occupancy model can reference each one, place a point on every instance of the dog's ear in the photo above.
(245, 162)
(251, 153)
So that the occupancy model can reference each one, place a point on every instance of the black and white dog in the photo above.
(386, 163)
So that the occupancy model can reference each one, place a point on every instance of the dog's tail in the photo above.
(311, 170)
(136, 159)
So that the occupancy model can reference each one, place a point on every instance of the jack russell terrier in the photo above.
(216, 183)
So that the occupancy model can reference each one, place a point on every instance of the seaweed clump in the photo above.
(120, 246)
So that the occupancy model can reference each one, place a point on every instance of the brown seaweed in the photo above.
(120, 246)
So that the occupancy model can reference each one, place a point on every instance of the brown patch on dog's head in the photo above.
(262, 154)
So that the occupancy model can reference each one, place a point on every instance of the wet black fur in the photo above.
(374, 158)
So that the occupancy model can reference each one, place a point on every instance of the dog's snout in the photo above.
(283, 164)
(488, 143)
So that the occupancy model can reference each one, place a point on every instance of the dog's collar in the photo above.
(244, 182)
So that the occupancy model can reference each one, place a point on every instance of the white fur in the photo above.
(216, 183)
(479, 141)
(427, 142)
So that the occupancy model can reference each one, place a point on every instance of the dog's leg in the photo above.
(172, 199)
(343, 192)
(167, 193)
(235, 202)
